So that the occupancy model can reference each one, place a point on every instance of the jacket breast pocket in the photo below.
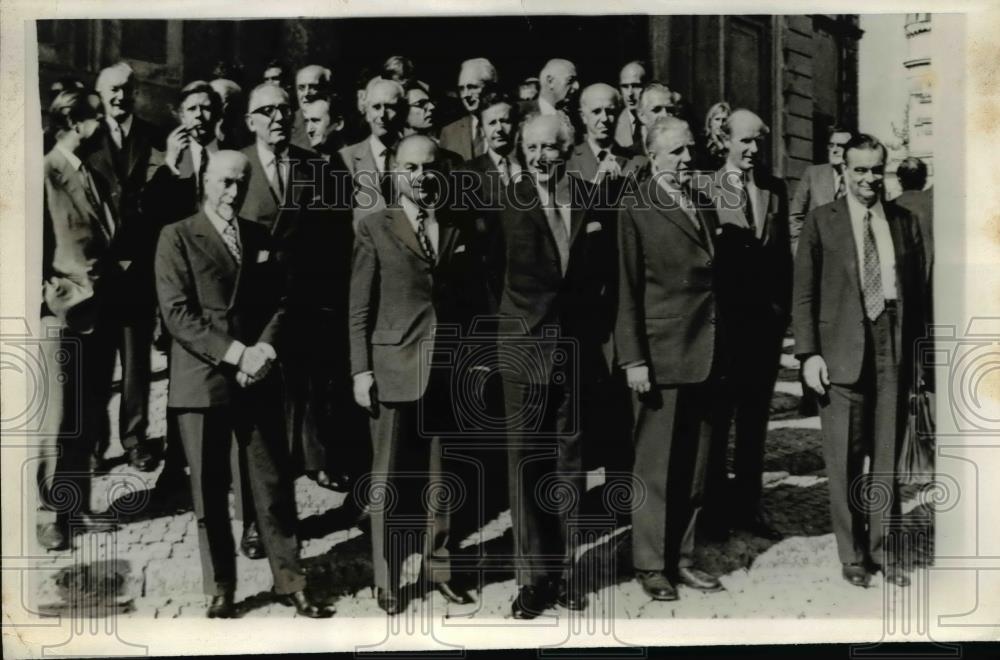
(387, 337)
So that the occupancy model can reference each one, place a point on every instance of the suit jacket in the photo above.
(920, 204)
(170, 197)
(304, 192)
(536, 295)
(127, 171)
(623, 134)
(828, 311)
(815, 189)
(755, 268)
(207, 301)
(367, 193)
(457, 137)
(667, 308)
(397, 296)
(583, 163)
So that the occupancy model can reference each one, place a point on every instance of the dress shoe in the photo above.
(656, 585)
(530, 602)
(453, 595)
(698, 579)
(569, 596)
(894, 574)
(388, 601)
(856, 574)
(52, 536)
(221, 607)
(140, 458)
(305, 606)
(251, 545)
(760, 527)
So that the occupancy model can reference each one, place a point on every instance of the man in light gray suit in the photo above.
(820, 184)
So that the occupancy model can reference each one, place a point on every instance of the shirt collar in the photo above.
(858, 210)
(740, 174)
(377, 146)
(125, 127)
(596, 149)
(267, 156)
(496, 158)
(546, 108)
(72, 158)
(216, 220)
(411, 210)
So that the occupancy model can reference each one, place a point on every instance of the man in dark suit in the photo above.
(632, 80)
(670, 346)
(912, 176)
(755, 282)
(858, 310)
(414, 272)
(820, 184)
(657, 101)
(367, 160)
(499, 165)
(312, 83)
(597, 158)
(464, 136)
(558, 92)
(121, 157)
(221, 295)
(324, 122)
(80, 273)
(557, 306)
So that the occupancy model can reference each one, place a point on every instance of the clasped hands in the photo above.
(255, 363)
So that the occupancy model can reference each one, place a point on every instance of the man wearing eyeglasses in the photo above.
(820, 184)
(465, 136)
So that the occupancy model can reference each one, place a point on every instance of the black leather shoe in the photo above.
(52, 536)
(529, 603)
(698, 579)
(760, 527)
(388, 601)
(453, 596)
(305, 606)
(140, 458)
(656, 585)
(569, 597)
(251, 546)
(896, 575)
(221, 607)
(856, 574)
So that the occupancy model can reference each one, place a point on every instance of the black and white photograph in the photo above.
(555, 328)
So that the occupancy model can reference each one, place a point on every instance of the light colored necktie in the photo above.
(277, 183)
(504, 168)
(872, 286)
(558, 229)
(229, 238)
(840, 191)
(117, 135)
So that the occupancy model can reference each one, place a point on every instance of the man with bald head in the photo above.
(598, 159)
(465, 135)
(312, 83)
(221, 294)
(557, 266)
(754, 257)
(369, 160)
(414, 270)
(632, 80)
(121, 155)
(671, 350)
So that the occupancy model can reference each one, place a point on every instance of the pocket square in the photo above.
(262, 256)
(593, 226)
(460, 249)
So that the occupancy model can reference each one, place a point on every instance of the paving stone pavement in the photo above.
(148, 567)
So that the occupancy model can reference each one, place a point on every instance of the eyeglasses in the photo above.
(270, 110)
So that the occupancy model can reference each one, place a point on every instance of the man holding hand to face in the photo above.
(222, 301)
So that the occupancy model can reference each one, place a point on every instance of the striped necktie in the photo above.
(232, 243)
(423, 238)
(872, 284)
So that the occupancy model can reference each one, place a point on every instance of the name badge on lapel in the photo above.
(262, 256)
(593, 226)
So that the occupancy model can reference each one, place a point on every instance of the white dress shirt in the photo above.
(883, 243)
(431, 227)
(119, 131)
(270, 160)
(513, 167)
(565, 211)
(747, 179)
(379, 151)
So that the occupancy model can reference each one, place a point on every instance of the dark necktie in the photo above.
(200, 176)
(840, 191)
(636, 130)
(504, 168)
(872, 285)
(558, 229)
(385, 181)
(423, 238)
(747, 206)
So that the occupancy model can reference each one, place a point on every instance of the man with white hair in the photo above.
(369, 161)
(465, 135)
(671, 351)
(657, 101)
(312, 83)
(598, 158)
(632, 80)
(222, 295)
(121, 156)
(557, 264)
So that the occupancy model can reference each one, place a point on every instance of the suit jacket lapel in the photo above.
(841, 225)
(133, 146)
(82, 198)
(677, 216)
(584, 159)
(400, 227)
(213, 245)
(760, 211)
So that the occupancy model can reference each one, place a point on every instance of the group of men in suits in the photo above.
(628, 297)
